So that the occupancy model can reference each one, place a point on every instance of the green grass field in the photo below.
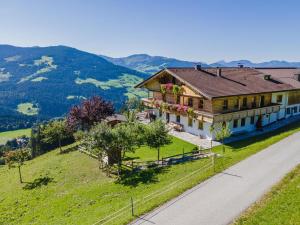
(5, 136)
(70, 188)
(27, 109)
(280, 206)
(146, 154)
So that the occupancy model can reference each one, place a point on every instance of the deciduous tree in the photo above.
(17, 157)
(88, 113)
(157, 136)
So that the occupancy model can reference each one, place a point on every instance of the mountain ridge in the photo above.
(151, 64)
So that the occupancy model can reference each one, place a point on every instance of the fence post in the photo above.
(132, 211)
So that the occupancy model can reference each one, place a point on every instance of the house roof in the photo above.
(232, 82)
(285, 75)
(116, 117)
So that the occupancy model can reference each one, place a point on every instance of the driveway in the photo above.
(223, 197)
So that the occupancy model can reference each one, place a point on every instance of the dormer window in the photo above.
(267, 77)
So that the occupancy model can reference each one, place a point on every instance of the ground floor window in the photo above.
(288, 111)
(200, 125)
(160, 113)
(235, 123)
(243, 122)
(178, 118)
(295, 109)
(252, 120)
(190, 122)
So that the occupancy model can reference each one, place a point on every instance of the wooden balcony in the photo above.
(216, 118)
(246, 113)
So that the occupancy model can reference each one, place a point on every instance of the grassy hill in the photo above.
(5, 136)
(69, 188)
(47, 81)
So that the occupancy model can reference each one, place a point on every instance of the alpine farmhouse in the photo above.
(244, 98)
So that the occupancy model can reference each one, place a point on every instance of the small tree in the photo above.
(157, 136)
(114, 142)
(91, 111)
(221, 131)
(17, 157)
(55, 131)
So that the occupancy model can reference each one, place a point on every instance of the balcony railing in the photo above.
(247, 113)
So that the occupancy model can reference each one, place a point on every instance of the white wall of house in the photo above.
(284, 103)
(248, 127)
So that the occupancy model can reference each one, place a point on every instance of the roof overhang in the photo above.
(140, 85)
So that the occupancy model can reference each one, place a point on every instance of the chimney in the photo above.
(219, 72)
(198, 67)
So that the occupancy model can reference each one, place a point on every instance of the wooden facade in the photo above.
(207, 109)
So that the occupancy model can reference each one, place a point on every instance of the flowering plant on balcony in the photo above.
(164, 106)
(169, 86)
(190, 112)
(182, 108)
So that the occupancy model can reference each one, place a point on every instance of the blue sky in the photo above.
(206, 31)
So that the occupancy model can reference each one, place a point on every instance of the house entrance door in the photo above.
(168, 117)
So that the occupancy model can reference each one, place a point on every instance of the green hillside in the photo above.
(38, 81)
(8, 135)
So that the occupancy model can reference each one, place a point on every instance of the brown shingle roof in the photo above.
(285, 75)
(233, 81)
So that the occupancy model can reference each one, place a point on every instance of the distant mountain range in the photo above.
(49, 80)
(151, 64)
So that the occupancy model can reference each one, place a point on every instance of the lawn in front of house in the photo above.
(78, 192)
(145, 153)
(279, 206)
(8, 135)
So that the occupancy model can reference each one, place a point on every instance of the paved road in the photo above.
(222, 198)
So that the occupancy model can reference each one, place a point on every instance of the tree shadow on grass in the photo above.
(38, 182)
(68, 150)
(128, 158)
(134, 178)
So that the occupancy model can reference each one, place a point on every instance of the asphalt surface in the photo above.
(220, 199)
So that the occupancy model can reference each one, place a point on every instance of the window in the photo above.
(190, 122)
(235, 123)
(254, 102)
(168, 117)
(262, 101)
(243, 122)
(190, 102)
(201, 103)
(237, 103)
(200, 125)
(178, 118)
(252, 119)
(178, 99)
(279, 99)
(225, 104)
(288, 111)
(245, 102)
(160, 113)
(295, 109)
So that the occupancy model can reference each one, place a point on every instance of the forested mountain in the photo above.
(47, 81)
